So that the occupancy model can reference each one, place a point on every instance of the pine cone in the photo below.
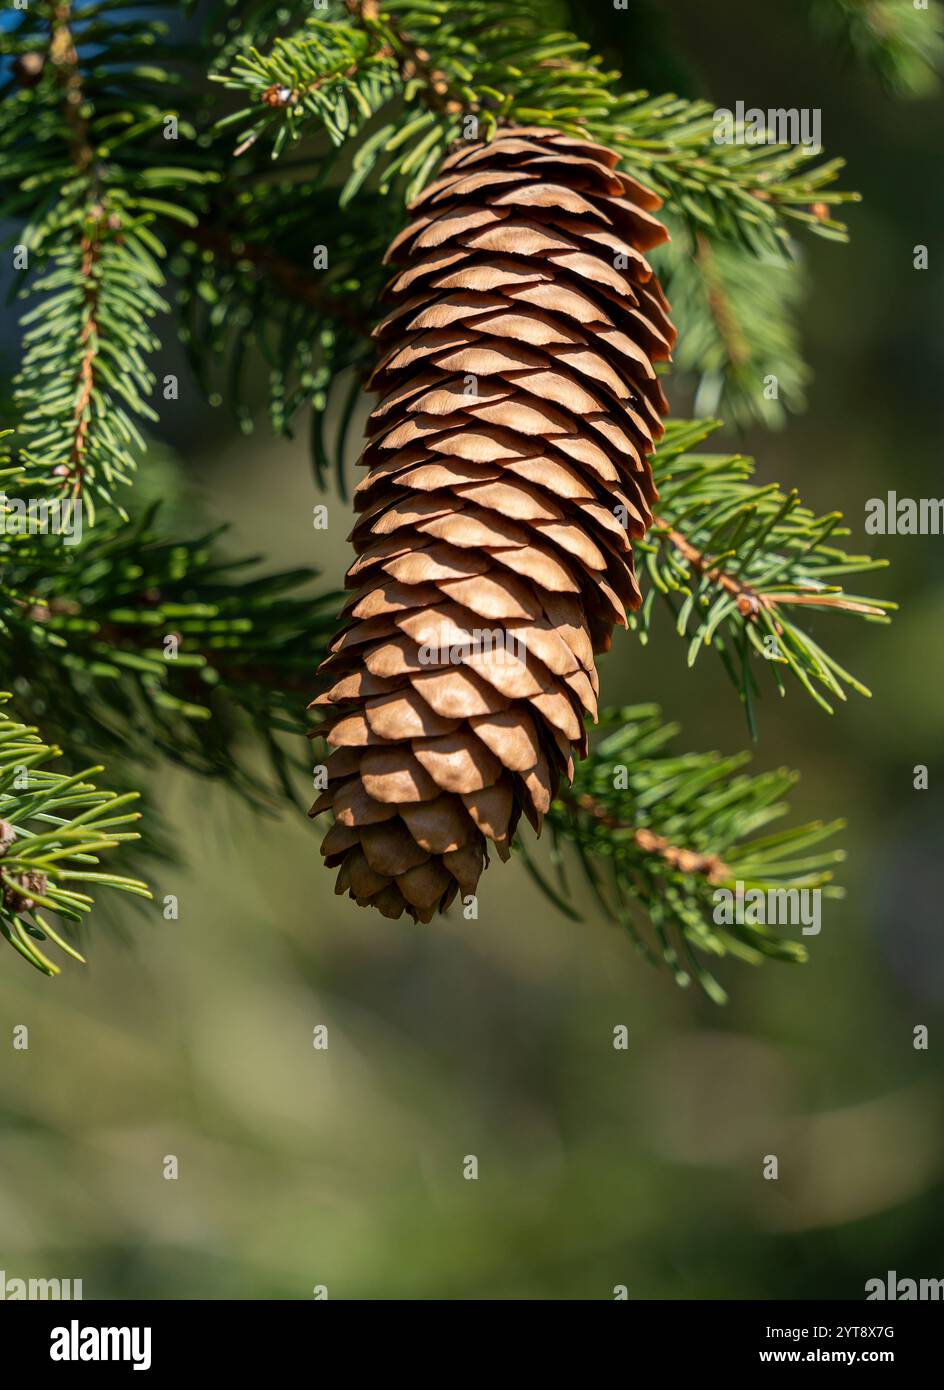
(507, 474)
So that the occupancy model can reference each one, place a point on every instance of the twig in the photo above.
(414, 61)
(65, 61)
(736, 345)
(750, 603)
(287, 275)
(685, 861)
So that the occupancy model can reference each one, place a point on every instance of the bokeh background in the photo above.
(598, 1168)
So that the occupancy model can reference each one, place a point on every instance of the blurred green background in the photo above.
(343, 1167)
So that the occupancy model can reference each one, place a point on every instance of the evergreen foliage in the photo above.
(53, 831)
(166, 175)
(635, 802)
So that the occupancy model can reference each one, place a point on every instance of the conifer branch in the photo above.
(731, 559)
(279, 275)
(656, 833)
(161, 649)
(686, 861)
(164, 648)
(401, 86)
(243, 300)
(506, 66)
(77, 155)
(53, 831)
(415, 63)
(65, 64)
(737, 319)
(735, 341)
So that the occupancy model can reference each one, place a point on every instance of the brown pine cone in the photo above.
(507, 475)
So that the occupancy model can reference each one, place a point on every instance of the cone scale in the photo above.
(507, 477)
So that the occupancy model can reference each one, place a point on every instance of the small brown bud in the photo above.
(277, 95)
(18, 899)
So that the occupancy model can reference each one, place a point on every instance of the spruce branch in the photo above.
(732, 560)
(356, 77)
(417, 68)
(65, 64)
(78, 157)
(156, 648)
(277, 273)
(738, 335)
(687, 861)
(505, 65)
(656, 833)
(164, 648)
(338, 74)
(53, 831)
(242, 300)
(901, 42)
(64, 61)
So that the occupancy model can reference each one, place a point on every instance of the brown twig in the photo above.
(73, 473)
(736, 345)
(685, 861)
(289, 277)
(65, 61)
(750, 603)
